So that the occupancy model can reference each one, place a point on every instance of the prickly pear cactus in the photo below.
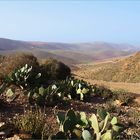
(78, 124)
(20, 77)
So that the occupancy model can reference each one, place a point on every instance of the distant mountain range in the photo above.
(70, 53)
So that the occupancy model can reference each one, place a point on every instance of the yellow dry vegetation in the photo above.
(123, 70)
(117, 74)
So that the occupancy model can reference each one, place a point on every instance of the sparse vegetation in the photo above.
(52, 86)
(103, 92)
(34, 122)
(124, 97)
(125, 70)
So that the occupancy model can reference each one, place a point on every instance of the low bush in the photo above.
(132, 131)
(134, 117)
(123, 96)
(111, 107)
(54, 70)
(32, 122)
(102, 92)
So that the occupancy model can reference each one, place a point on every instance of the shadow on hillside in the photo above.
(8, 110)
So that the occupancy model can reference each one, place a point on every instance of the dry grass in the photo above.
(17, 60)
(125, 71)
(119, 70)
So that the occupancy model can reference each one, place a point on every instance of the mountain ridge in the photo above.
(72, 52)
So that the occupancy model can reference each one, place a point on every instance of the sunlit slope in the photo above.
(119, 70)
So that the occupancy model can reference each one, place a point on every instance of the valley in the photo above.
(69, 70)
(102, 73)
(53, 88)
(69, 53)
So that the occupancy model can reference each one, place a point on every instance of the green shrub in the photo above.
(54, 70)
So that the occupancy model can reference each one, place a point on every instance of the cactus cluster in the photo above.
(75, 89)
(60, 92)
(75, 125)
(10, 95)
(21, 76)
(45, 96)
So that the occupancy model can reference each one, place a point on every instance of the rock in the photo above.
(2, 133)
(15, 137)
(1, 124)
(25, 136)
(117, 102)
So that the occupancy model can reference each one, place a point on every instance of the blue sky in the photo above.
(71, 21)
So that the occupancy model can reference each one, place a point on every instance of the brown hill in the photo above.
(8, 44)
(70, 53)
(119, 70)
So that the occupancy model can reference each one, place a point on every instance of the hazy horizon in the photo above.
(71, 21)
(90, 42)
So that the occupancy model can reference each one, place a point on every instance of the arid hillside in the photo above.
(69, 53)
(117, 70)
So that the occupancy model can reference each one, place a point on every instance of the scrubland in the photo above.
(46, 101)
